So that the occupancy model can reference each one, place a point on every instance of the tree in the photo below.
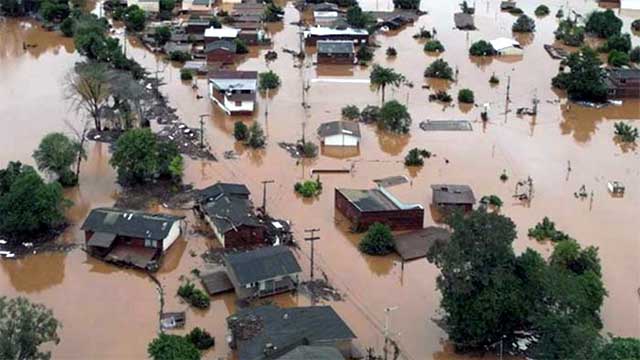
(88, 89)
(172, 347)
(439, 69)
(524, 24)
(407, 4)
(179, 56)
(272, 13)
(54, 10)
(55, 154)
(359, 19)
(415, 157)
(377, 241)
(162, 34)
(134, 18)
(380, 77)
(308, 188)
(24, 327)
(186, 74)
(350, 112)
(256, 136)
(67, 27)
(542, 10)
(620, 42)
(135, 156)
(240, 131)
(634, 54)
(193, 295)
(364, 54)
(603, 23)
(391, 51)
(241, 46)
(433, 46)
(465, 96)
(268, 80)
(200, 338)
(394, 117)
(626, 132)
(546, 229)
(585, 80)
(570, 33)
(167, 5)
(28, 205)
(481, 48)
(618, 58)
(619, 348)
(370, 114)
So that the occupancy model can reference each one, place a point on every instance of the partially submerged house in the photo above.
(453, 197)
(325, 18)
(340, 133)
(506, 46)
(130, 237)
(228, 211)
(415, 244)
(152, 6)
(269, 332)
(464, 21)
(234, 91)
(220, 51)
(623, 83)
(204, 6)
(335, 52)
(356, 36)
(365, 207)
(263, 272)
(212, 34)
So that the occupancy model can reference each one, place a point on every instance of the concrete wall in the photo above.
(341, 140)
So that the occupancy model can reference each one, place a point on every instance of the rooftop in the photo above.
(129, 223)
(227, 45)
(312, 353)
(463, 20)
(225, 32)
(416, 244)
(369, 200)
(230, 212)
(325, 31)
(624, 74)
(261, 264)
(284, 329)
(503, 43)
(335, 47)
(453, 194)
(332, 128)
(234, 80)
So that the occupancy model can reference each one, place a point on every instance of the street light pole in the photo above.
(202, 129)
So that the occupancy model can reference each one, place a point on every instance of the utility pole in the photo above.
(264, 194)
(508, 88)
(387, 320)
(313, 239)
(202, 129)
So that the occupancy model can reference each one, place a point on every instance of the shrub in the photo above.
(422, 34)
(272, 13)
(358, 19)
(268, 80)
(172, 347)
(570, 33)
(524, 24)
(439, 69)
(134, 18)
(194, 296)
(377, 241)
(370, 114)
(465, 96)
(394, 117)
(67, 27)
(626, 132)
(308, 188)
(364, 54)
(241, 47)
(200, 338)
(416, 156)
(585, 79)
(635, 25)
(618, 58)
(240, 131)
(504, 177)
(494, 79)
(167, 5)
(620, 42)
(481, 48)
(440, 96)
(515, 11)
(391, 51)
(634, 54)
(256, 136)
(542, 10)
(179, 56)
(186, 74)
(492, 200)
(162, 35)
(433, 46)
(603, 24)
(308, 149)
(350, 112)
(546, 229)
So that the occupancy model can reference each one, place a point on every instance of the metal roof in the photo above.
(313, 353)
(229, 213)
(221, 44)
(335, 47)
(332, 128)
(452, 194)
(369, 200)
(503, 43)
(325, 31)
(235, 80)
(130, 223)
(225, 32)
(100, 239)
(261, 264)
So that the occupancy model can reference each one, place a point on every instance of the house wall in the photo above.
(335, 59)
(220, 55)
(341, 140)
(629, 89)
(239, 108)
(243, 237)
(411, 219)
(174, 233)
(187, 5)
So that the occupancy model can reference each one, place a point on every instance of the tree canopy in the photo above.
(585, 79)
(439, 69)
(481, 48)
(55, 154)
(394, 117)
(524, 24)
(603, 23)
(172, 347)
(358, 18)
(407, 4)
(377, 241)
(268, 80)
(570, 32)
(380, 77)
(24, 327)
(134, 18)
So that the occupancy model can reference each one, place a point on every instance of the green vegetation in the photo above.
(546, 229)
(308, 149)
(634, 54)
(268, 81)
(618, 348)
(67, 27)
(516, 11)
(186, 74)
(172, 347)
(584, 81)
(603, 24)
(167, 5)
(481, 48)
(441, 95)
(55, 155)
(350, 112)
(492, 200)
(422, 33)
(504, 177)
(272, 13)
(364, 54)
(494, 80)
(391, 51)
(570, 33)
(542, 10)
(28, 205)
(491, 295)
(241, 47)
(394, 117)
(618, 58)
(635, 25)
(308, 188)
(162, 35)
(139, 157)
(626, 132)
(179, 56)
(256, 136)
(439, 69)
(193, 295)
(406, 4)
(524, 24)
(54, 10)
(134, 18)
(433, 46)
(240, 131)
(24, 327)
(370, 114)
(380, 77)
(200, 338)
(416, 156)
(465, 96)
(358, 18)
(377, 241)
(620, 42)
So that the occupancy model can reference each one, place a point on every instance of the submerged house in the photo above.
(623, 83)
(335, 52)
(263, 271)
(340, 133)
(506, 46)
(453, 197)
(278, 332)
(130, 237)
(234, 91)
(356, 36)
(220, 51)
(365, 207)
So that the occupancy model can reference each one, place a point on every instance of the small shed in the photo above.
(506, 46)
(415, 244)
(453, 197)
(335, 52)
(340, 133)
(464, 21)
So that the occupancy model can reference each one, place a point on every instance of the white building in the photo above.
(146, 5)
(234, 91)
(506, 46)
(223, 33)
(340, 133)
(630, 4)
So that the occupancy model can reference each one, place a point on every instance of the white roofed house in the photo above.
(314, 34)
(506, 46)
(146, 5)
(224, 33)
(340, 133)
(234, 91)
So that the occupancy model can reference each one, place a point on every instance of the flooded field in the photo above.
(110, 313)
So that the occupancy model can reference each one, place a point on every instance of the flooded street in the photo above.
(110, 313)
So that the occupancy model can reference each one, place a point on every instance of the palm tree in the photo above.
(380, 77)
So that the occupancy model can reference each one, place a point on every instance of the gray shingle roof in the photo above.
(452, 194)
(335, 47)
(230, 212)
(287, 328)
(221, 44)
(339, 127)
(262, 264)
(130, 223)
(213, 191)
(313, 353)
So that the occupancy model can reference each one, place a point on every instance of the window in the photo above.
(238, 103)
(150, 243)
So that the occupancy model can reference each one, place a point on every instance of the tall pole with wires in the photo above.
(313, 239)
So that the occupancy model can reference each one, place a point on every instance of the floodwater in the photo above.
(110, 313)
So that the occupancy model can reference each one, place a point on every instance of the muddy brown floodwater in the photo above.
(110, 313)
